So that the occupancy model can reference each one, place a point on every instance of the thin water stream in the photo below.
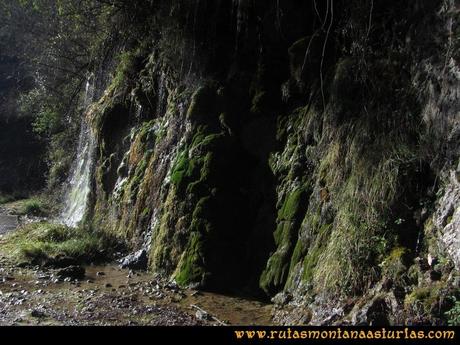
(79, 184)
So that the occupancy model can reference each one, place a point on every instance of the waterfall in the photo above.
(79, 183)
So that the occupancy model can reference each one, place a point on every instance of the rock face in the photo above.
(447, 217)
(288, 157)
(137, 260)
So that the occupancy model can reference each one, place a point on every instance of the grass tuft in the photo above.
(37, 243)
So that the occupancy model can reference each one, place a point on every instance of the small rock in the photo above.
(202, 315)
(100, 273)
(43, 276)
(432, 260)
(172, 285)
(282, 298)
(108, 285)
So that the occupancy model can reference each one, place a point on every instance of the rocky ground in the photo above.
(67, 293)
(109, 295)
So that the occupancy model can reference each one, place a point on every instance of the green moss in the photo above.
(291, 205)
(139, 175)
(188, 174)
(145, 212)
(202, 208)
(128, 65)
(423, 296)
(203, 106)
(275, 275)
(191, 266)
(146, 132)
(298, 253)
(180, 168)
(258, 102)
(311, 260)
(394, 264)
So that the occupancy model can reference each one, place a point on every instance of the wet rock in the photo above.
(43, 276)
(372, 313)
(137, 260)
(202, 315)
(447, 217)
(282, 298)
(72, 272)
(172, 285)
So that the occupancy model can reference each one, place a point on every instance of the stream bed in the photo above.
(109, 295)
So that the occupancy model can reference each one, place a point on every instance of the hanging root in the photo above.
(324, 50)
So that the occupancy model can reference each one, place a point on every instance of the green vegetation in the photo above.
(38, 243)
(5, 198)
(191, 265)
(453, 315)
(33, 206)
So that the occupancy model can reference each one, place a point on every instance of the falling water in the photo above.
(161, 95)
(79, 184)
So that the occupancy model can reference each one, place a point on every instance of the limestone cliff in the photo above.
(307, 150)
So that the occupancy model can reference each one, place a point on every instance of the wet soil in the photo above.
(110, 295)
